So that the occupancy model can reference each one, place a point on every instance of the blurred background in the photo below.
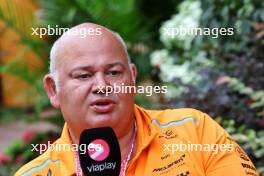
(221, 76)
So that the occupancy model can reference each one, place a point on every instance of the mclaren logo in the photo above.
(170, 165)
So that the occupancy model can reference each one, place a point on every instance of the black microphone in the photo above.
(102, 156)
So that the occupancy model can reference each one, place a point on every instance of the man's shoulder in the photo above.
(40, 164)
(45, 163)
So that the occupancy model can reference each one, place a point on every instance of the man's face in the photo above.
(85, 66)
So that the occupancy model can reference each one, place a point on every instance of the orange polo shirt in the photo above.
(176, 142)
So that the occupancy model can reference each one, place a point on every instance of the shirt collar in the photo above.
(146, 131)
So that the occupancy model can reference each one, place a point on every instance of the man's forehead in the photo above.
(91, 67)
(100, 51)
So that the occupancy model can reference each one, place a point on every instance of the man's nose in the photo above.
(100, 85)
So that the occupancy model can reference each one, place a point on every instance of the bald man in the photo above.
(152, 142)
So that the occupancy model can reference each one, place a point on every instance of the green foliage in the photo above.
(221, 75)
(250, 139)
(256, 96)
(118, 15)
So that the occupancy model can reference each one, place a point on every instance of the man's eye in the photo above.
(114, 73)
(84, 76)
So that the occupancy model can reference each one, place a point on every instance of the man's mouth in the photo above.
(103, 105)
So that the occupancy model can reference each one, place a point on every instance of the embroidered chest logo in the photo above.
(168, 134)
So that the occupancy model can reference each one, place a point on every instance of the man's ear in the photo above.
(50, 87)
(134, 72)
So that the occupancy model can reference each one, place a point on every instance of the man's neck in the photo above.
(126, 142)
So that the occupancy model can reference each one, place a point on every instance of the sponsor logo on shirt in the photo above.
(177, 162)
(165, 156)
(169, 134)
(241, 154)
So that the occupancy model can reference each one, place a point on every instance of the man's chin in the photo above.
(102, 120)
